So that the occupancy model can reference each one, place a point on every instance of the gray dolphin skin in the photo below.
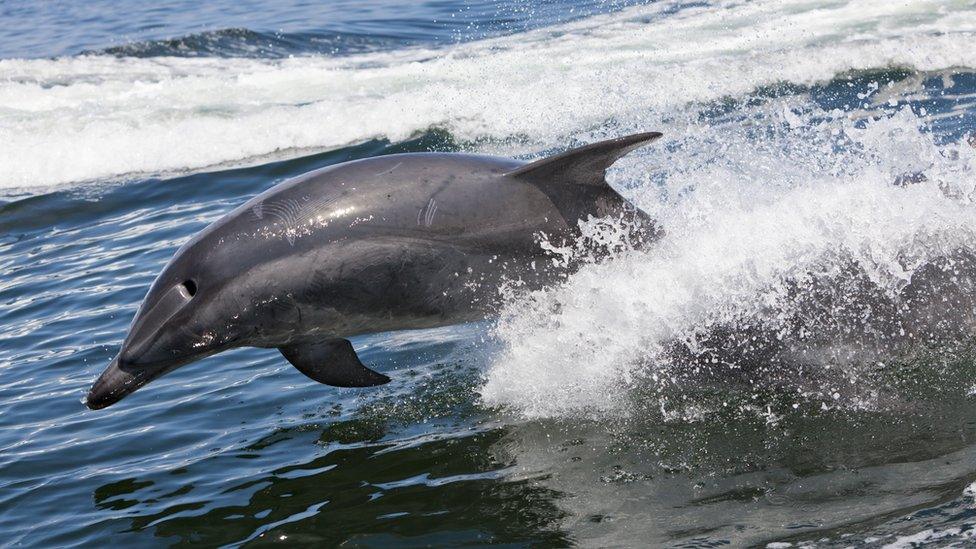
(387, 243)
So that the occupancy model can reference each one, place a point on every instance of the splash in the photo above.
(787, 242)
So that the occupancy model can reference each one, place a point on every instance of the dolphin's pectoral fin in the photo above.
(332, 362)
(585, 165)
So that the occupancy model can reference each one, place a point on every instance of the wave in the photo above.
(93, 117)
(246, 43)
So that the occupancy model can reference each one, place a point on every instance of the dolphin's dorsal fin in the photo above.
(332, 362)
(585, 165)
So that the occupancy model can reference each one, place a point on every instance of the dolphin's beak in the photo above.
(116, 383)
(148, 350)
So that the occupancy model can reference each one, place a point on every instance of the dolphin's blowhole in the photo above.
(190, 286)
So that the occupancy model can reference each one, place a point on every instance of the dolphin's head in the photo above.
(184, 317)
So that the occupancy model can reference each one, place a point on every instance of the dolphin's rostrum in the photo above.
(386, 243)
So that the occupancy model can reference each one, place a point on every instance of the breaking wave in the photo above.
(807, 250)
(108, 115)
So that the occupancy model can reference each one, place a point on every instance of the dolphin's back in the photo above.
(462, 200)
(457, 199)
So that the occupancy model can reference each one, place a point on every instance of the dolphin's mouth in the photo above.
(114, 384)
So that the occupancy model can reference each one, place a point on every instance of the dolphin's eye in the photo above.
(191, 287)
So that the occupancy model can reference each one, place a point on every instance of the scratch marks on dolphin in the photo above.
(285, 215)
(431, 210)
(391, 169)
(292, 218)
(426, 214)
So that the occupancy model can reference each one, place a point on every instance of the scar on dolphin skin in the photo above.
(293, 214)
(286, 211)
(391, 169)
(427, 212)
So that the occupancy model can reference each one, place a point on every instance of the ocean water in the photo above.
(793, 364)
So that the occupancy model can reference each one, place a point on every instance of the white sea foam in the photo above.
(739, 222)
(84, 118)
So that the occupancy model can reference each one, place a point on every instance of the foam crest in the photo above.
(94, 117)
(751, 234)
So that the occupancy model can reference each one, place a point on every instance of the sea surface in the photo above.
(733, 385)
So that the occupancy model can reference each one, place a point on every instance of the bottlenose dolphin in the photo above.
(387, 243)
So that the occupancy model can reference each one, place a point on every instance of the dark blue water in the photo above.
(259, 29)
(152, 120)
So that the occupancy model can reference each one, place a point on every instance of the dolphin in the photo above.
(394, 242)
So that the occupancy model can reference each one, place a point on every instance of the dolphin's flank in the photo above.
(386, 243)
